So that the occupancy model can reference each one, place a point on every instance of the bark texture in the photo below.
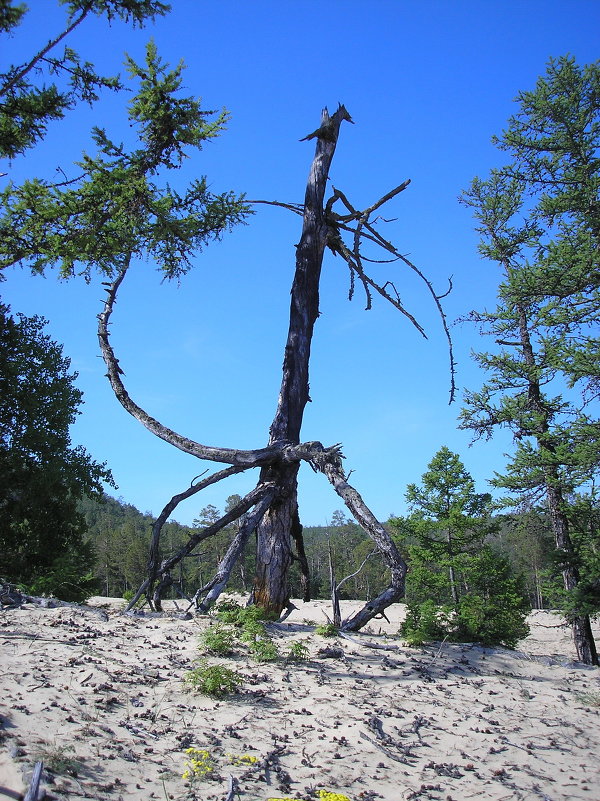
(275, 532)
(583, 636)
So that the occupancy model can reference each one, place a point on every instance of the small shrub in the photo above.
(57, 759)
(589, 699)
(425, 622)
(227, 611)
(260, 645)
(298, 652)
(213, 680)
(263, 649)
(230, 612)
(326, 630)
(251, 630)
(217, 640)
(498, 620)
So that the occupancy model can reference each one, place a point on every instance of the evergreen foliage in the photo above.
(458, 587)
(49, 83)
(538, 220)
(42, 476)
(117, 207)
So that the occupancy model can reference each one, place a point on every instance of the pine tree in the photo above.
(458, 586)
(538, 218)
(49, 83)
(42, 476)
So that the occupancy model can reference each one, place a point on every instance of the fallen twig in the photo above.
(231, 789)
(32, 793)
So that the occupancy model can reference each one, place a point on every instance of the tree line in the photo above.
(462, 554)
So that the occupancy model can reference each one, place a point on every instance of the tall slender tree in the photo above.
(538, 218)
(450, 514)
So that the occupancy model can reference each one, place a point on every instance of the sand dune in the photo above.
(99, 698)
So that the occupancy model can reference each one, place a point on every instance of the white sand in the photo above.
(104, 699)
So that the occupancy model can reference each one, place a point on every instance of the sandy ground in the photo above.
(99, 697)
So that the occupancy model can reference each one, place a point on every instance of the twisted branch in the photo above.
(364, 230)
(244, 459)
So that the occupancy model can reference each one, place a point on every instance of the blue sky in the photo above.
(427, 84)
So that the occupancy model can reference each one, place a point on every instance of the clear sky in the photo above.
(427, 84)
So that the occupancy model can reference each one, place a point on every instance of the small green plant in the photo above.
(214, 680)
(217, 640)
(263, 649)
(230, 612)
(426, 622)
(260, 645)
(326, 630)
(198, 765)
(227, 611)
(589, 698)
(298, 652)
(253, 629)
(57, 759)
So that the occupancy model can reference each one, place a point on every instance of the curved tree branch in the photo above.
(276, 451)
(331, 466)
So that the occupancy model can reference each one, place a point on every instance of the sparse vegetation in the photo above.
(326, 630)
(218, 640)
(58, 759)
(232, 612)
(214, 680)
(199, 764)
(589, 699)
(298, 652)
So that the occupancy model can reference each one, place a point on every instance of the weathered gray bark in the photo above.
(332, 468)
(274, 534)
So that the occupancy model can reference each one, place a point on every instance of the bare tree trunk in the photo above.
(583, 635)
(335, 596)
(582, 629)
(451, 571)
(274, 540)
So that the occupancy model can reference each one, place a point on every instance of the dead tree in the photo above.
(270, 510)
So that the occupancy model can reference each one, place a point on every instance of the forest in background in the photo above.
(120, 538)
